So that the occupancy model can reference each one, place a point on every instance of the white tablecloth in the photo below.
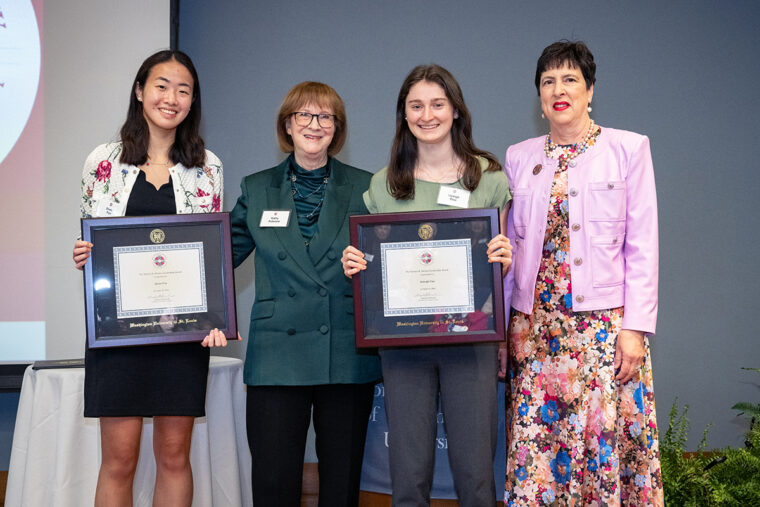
(56, 451)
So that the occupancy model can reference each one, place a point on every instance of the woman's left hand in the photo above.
(216, 338)
(502, 360)
(500, 250)
(629, 354)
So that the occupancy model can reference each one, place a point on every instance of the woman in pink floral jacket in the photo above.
(581, 419)
(160, 166)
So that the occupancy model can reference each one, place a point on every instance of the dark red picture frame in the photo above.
(373, 329)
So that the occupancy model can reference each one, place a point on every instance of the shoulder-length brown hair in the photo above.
(404, 149)
(320, 94)
(188, 148)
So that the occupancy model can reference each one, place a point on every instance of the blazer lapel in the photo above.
(333, 212)
(280, 196)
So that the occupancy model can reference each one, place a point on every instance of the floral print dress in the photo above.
(574, 436)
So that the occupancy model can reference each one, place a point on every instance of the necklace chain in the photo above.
(320, 188)
(165, 164)
(426, 174)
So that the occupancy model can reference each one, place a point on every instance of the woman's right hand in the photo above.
(82, 251)
(353, 261)
(216, 338)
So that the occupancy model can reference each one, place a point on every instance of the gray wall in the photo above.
(684, 73)
(91, 52)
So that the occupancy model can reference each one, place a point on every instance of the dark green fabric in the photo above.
(309, 192)
(302, 326)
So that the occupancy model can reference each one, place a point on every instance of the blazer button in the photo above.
(577, 261)
(537, 169)
(573, 163)
(579, 299)
(610, 185)
(576, 227)
(291, 331)
(323, 329)
(322, 291)
(573, 192)
(282, 256)
(291, 292)
(331, 255)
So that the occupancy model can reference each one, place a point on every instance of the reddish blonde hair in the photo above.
(320, 94)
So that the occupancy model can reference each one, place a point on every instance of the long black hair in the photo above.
(188, 148)
(404, 149)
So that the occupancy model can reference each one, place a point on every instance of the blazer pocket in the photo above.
(262, 310)
(521, 203)
(607, 260)
(606, 201)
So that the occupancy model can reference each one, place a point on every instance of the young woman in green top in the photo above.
(433, 156)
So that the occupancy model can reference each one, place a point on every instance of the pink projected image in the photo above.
(22, 170)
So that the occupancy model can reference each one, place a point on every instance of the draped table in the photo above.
(56, 451)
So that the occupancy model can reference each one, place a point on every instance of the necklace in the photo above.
(567, 152)
(294, 188)
(425, 174)
(303, 198)
(165, 164)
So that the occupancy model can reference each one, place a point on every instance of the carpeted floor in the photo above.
(310, 489)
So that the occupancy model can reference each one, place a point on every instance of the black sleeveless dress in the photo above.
(149, 380)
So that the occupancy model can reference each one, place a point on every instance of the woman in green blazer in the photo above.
(301, 347)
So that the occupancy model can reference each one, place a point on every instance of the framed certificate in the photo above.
(158, 279)
(428, 280)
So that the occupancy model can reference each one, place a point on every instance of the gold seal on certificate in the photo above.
(425, 231)
(159, 279)
(428, 280)
(157, 236)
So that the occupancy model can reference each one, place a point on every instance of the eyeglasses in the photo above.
(304, 119)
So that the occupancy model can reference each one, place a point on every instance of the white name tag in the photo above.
(453, 196)
(275, 218)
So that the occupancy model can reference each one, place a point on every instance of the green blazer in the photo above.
(302, 322)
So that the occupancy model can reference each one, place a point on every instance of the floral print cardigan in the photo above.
(107, 183)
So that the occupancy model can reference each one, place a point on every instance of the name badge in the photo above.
(275, 218)
(453, 196)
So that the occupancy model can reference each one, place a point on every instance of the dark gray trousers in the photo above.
(465, 376)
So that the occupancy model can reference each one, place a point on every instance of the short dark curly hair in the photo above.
(575, 53)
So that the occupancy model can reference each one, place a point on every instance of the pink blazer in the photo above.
(613, 225)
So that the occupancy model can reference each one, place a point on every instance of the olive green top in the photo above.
(491, 192)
